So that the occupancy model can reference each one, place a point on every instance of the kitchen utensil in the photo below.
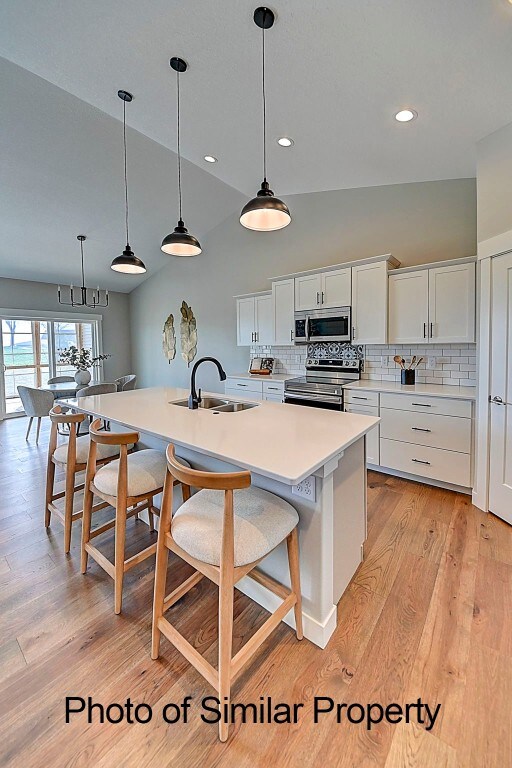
(418, 362)
(411, 366)
(399, 360)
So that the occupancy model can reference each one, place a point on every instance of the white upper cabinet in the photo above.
(245, 321)
(370, 303)
(452, 303)
(323, 290)
(283, 307)
(263, 323)
(432, 305)
(308, 290)
(254, 320)
(408, 307)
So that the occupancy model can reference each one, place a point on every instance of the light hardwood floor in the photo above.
(428, 614)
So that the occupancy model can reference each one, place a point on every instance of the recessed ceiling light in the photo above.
(285, 141)
(406, 115)
(210, 159)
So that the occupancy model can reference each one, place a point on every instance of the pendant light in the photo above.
(128, 263)
(180, 242)
(265, 212)
(93, 298)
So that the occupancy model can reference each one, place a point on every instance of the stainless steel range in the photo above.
(322, 386)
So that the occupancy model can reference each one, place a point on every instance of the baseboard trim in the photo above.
(317, 632)
(418, 479)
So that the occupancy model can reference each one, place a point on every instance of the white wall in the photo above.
(494, 175)
(417, 223)
(24, 294)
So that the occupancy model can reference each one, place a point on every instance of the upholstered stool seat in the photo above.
(261, 521)
(82, 451)
(146, 471)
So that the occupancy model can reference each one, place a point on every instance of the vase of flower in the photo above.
(82, 377)
(82, 360)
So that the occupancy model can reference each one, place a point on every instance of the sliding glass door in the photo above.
(30, 352)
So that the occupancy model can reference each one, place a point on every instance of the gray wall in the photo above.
(24, 294)
(417, 223)
(494, 175)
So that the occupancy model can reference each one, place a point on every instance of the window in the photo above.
(31, 349)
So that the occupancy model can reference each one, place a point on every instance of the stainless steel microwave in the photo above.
(323, 325)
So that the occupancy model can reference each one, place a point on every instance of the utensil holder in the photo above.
(408, 377)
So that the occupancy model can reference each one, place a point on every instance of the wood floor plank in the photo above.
(413, 747)
(493, 604)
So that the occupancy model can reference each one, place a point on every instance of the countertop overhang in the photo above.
(279, 441)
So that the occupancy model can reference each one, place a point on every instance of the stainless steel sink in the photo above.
(233, 407)
(206, 402)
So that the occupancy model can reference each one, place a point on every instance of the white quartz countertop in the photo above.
(259, 377)
(432, 390)
(283, 442)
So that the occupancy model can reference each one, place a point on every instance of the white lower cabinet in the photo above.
(255, 389)
(423, 435)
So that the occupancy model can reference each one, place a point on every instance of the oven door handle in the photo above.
(319, 398)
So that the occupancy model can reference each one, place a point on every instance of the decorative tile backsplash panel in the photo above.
(453, 364)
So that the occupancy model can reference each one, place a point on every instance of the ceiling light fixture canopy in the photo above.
(265, 212)
(127, 263)
(180, 242)
(210, 159)
(406, 115)
(285, 141)
(92, 299)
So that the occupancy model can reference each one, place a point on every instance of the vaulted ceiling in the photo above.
(337, 73)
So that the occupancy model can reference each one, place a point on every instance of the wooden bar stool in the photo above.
(128, 484)
(73, 456)
(223, 538)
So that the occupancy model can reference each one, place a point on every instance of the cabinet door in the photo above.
(373, 436)
(245, 321)
(336, 288)
(452, 304)
(370, 303)
(308, 290)
(408, 307)
(264, 325)
(283, 306)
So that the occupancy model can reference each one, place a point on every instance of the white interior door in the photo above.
(500, 490)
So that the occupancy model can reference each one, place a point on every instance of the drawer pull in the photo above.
(241, 385)
(419, 461)
(357, 397)
(423, 405)
(420, 429)
(275, 389)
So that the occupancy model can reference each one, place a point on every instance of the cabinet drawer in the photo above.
(366, 410)
(241, 394)
(430, 429)
(273, 387)
(274, 398)
(361, 397)
(426, 404)
(372, 438)
(438, 464)
(245, 385)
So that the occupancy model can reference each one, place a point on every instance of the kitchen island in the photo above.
(313, 458)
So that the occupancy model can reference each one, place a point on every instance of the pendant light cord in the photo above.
(179, 146)
(125, 173)
(264, 102)
(82, 256)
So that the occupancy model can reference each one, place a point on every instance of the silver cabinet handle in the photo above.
(274, 389)
(291, 335)
(322, 297)
(318, 297)
(358, 397)
(353, 331)
(422, 405)
(420, 429)
(419, 461)
(256, 335)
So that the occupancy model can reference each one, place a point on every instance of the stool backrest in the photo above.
(217, 481)
(124, 383)
(97, 389)
(57, 416)
(36, 402)
(60, 380)
(99, 435)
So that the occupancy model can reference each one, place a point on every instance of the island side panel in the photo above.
(349, 516)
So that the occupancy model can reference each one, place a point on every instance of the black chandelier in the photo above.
(87, 297)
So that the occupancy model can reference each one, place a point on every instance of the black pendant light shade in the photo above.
(265, 212)
(127, 263)
(180, 242)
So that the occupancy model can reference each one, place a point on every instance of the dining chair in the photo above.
(128, 484)
(36, 404)
(60, 380)
(223, 531)
(72, 457)
(97, 389)
(124, 383)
